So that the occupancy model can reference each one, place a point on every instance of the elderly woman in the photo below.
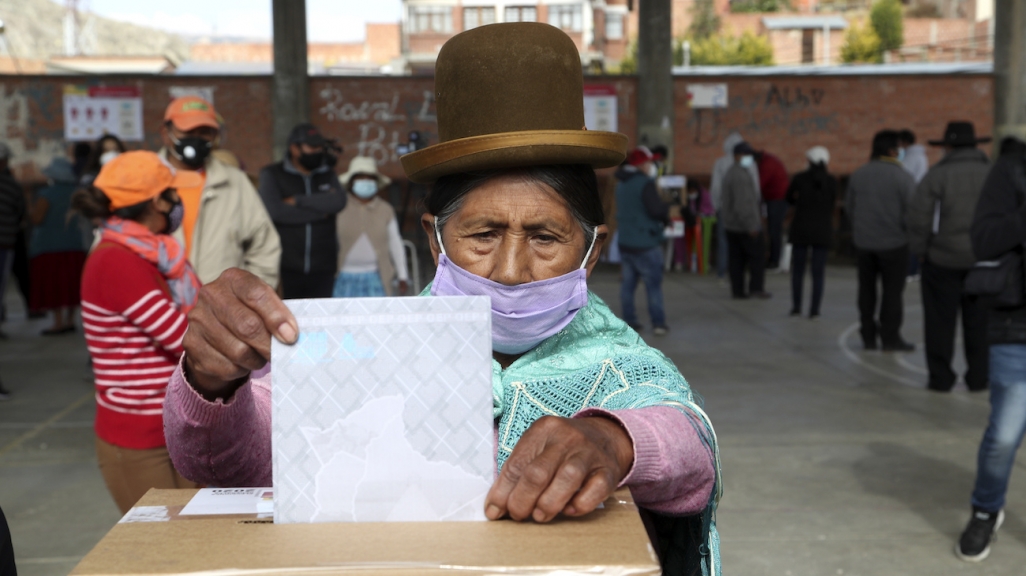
(514, 214)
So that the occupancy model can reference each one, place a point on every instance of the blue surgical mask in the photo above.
(523, 316)
(901, 154)
(365, 188)
(747, 161)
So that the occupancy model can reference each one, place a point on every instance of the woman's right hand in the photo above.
(230, 332)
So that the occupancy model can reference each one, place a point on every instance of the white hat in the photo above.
(364, 165)
(818, 155)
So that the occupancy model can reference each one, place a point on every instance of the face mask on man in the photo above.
(652, 171)
(901, 154)
(364, 188)
(108, 156)
(192, 150)
(747, 161)
(311, 161)
(523, 315)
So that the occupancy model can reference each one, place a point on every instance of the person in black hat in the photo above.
(302, 194)
(876, 203)
(939, 218)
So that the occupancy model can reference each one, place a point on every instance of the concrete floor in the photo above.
(835, 460)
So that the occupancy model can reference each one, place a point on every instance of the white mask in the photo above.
(108, 156)
(652, 171)
(747, 161)
(365, 188)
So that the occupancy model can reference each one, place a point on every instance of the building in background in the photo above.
(600, 28)
(377, 54)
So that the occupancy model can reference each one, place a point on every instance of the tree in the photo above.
(861, 45)
(629, 62)
(704, 20)
(760, 5)
(887, 19)
(723, 50)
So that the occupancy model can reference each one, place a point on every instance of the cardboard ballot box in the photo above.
(611, 540)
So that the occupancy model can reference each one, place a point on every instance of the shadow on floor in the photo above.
(934, 489)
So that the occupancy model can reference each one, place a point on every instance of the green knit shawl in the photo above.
(597, 361)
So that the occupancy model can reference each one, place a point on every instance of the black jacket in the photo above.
(813, 193)
(307, 230)
(999, 226)
(12, 209)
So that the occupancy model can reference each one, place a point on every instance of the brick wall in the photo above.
(783, 114)
(787, 115)
(31, 114)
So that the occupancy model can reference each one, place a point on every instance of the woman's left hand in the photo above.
(561, 465)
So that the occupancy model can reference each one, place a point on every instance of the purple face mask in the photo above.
(523, 315)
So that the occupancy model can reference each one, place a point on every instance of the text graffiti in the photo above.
(29, 153)
(381, 126)
(793, 110)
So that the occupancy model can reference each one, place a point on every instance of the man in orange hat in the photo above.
(226, 224)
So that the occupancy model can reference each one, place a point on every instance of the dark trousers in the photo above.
(799, 255)
(942, 299)
(748, 253)
(296, 285)
(889, 267)
(776, 210)
(7, 567)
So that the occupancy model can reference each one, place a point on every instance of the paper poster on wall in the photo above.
(204, 92)
(92, 111)
(707, 95)
(600, 109)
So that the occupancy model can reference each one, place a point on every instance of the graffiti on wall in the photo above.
(29, 151)
(789, 109)
(380, 126)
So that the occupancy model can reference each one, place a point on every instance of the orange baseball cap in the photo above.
(134, 177)
(190, 112)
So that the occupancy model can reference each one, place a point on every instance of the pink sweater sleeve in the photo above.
(673, 471)
(220, 443)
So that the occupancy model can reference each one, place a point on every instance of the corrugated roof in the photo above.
(839, 70)
(799, 22)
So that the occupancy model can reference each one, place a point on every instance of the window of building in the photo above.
(478, 16)
(808, 45)
(521, 14)
(614, 26)
(566, 16)
(427, 19)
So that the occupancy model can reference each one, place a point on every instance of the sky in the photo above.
(326, 20)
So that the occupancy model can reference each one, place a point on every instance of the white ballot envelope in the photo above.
(382, 411)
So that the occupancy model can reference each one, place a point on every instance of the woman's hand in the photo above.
(561, 465)
(230, 332)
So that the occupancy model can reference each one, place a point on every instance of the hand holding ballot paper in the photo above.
(561, 465)
(507, 389)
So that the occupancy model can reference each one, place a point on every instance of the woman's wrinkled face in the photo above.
(514, 231)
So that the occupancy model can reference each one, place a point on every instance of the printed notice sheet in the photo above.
(218, 501)
(382, 411)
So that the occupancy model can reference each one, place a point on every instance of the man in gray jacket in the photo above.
(741, 213)
(939, 219)
(719, 171)
(876, 202)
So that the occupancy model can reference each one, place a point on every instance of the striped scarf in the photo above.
(163, 251)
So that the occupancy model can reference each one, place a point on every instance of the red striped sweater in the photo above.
(134, 333)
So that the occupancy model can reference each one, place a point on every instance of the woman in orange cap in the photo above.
(137, 288)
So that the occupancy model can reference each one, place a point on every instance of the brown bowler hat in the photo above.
(511, 95)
